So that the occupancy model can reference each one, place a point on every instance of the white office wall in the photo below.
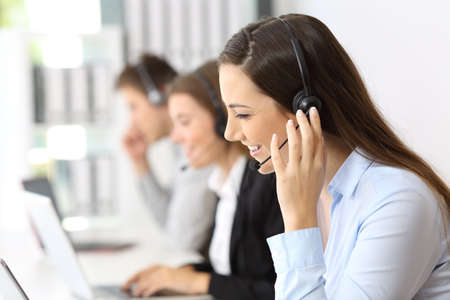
(186, 32)
(15, 125)
(402, 49)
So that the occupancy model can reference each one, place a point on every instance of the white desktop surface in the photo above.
(41, 281)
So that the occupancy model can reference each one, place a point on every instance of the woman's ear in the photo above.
(289, 115)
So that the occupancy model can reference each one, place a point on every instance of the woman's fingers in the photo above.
(307, 137)
(277, 161)
(317, 129)
(146, 285)
(315, 122)
(140, 280)
(130, 282)
(150, 291)
(294, 143)
(139, 289)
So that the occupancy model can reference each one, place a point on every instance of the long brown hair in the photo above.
(264, 53)
(191, 84)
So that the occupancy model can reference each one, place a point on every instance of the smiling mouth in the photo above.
(254, 150)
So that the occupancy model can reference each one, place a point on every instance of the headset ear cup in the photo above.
(296, 102)
(220, 130)
(305, 103)
(220, 127)
(155, 97)
(308, 102)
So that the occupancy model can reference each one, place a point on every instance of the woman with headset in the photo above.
(240, 266)
(364, 216)
(143, 87)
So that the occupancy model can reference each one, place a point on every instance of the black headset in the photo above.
(221, 120)
(153, 94)
(305, 98)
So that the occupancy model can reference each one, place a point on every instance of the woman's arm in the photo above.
(397, 247)
(155, 196)
(155, 279)
(186, 280)
(397, 242)
(173, 209)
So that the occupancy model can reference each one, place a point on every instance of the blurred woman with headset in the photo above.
(144, 88)
(240, 266)
(346, 183)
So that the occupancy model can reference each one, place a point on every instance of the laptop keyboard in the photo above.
(110, 291)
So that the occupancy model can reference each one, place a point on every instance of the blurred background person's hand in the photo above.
(136, 146)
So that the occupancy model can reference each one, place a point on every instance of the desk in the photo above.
(41, 282)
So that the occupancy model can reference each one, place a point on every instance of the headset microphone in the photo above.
(206, 149)
(255, 165)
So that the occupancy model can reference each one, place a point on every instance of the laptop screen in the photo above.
(58, 247)
(10, 289)
(42, 186)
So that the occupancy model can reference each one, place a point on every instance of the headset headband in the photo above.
(304, 74)
(221, 119)
(154, 95)
(211, 92)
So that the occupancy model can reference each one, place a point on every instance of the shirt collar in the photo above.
(347, 177)
(220, 185)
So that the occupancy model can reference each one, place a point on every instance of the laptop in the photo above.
(10, 288)
(61, 253)
(42, 186)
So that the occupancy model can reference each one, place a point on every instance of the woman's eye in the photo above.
(242, 116)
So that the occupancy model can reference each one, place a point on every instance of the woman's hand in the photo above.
(300, 180)
(183, 280)
(135, 145)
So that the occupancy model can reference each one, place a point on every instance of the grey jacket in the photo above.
(185, 209)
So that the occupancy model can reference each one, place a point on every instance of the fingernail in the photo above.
(274, 136)
(300, 112)
(290, 123)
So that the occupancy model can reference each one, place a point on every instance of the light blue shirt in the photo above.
(386, 241)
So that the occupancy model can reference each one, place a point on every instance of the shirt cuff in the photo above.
(296, 250)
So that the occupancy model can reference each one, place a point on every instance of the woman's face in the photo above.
(147, 118)
(252, 116)
(193, 129)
